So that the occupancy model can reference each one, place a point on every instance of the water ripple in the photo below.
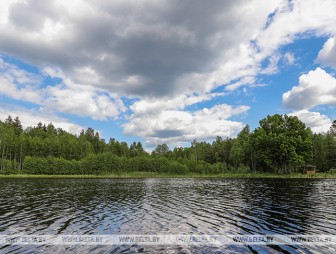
(167, 206)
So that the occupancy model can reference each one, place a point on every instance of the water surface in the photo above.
(167, 206)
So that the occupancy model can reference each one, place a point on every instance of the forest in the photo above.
(281, 144)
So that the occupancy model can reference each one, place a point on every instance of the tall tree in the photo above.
(241, 148)
(283, 141)
(333, 128)
(161, 150)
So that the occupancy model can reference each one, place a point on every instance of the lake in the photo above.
(168, 207)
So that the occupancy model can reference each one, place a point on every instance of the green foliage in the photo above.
(281, 144)
(51, 166)
(103, 163)
(161, 150)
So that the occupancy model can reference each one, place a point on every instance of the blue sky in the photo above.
(167, 72)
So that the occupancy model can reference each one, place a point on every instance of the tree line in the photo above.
(281, 144)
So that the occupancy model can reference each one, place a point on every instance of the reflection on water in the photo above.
(167, 206)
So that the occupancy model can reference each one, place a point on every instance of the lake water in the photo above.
(167, 207)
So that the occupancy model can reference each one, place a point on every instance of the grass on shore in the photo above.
(171, 175)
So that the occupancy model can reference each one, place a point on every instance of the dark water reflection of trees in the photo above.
(167, 206)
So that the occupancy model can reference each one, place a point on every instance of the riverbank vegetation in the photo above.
(280, 145)
(139, 175)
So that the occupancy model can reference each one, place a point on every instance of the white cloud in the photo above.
(17, 83)
(121, 46)
(26, 93)
(289, 58)
(292, 19)
(172, 126)
(316, 121)
(158, 52)
(272, 66)
(65, 97)
(327, 55)
(154, 105)
(81, 102)
(276, 61)
(247, 80)
(315, 88)
(4, 10)
(30, 118)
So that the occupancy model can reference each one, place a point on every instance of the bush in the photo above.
(178, 168)
(217, 168)
(332, 171)
(107, 162)
(9, 166)
(51, 165)
(242, 170)
(35, 165)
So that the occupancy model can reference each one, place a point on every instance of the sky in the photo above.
(168, 71)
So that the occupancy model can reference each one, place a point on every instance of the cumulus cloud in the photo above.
(157, 49)
(294, 19)
(17, 83)
(30, 118)
(327, 55)
(64, 97)
(149, 50)
(154, 105)
(315, 88)
(316, 121)
(134, 48)
(172, 126)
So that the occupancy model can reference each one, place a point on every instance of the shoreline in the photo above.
(142, 175)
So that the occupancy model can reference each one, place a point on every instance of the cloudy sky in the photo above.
(167, 71)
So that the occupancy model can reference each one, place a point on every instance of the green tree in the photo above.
(333, 128)
(330, 151)
(161, 150)
(283, 141)
(241, 148)
(319, 153)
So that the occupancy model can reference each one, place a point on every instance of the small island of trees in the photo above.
(282, 144)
